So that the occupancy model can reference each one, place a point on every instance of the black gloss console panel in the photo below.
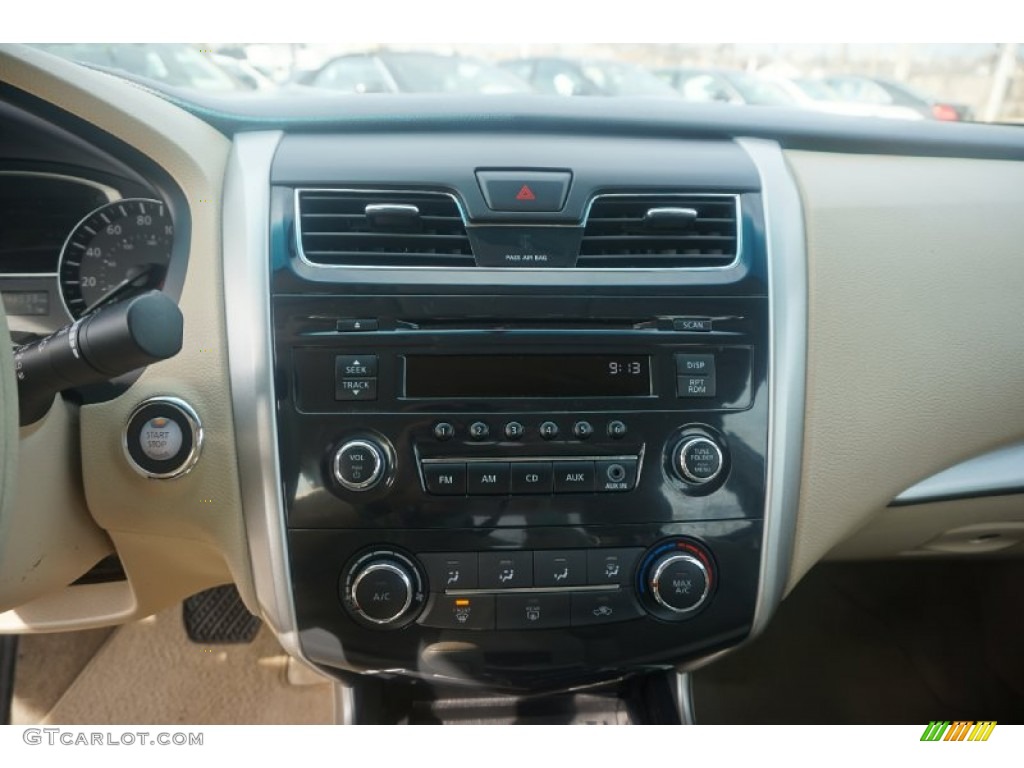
(521, 478)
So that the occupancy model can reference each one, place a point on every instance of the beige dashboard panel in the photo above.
(174, 536)
(915, 307)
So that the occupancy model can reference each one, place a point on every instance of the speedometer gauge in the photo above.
(121, 247)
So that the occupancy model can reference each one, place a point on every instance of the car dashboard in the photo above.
(507, 395)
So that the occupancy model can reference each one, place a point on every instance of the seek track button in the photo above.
(355, 366)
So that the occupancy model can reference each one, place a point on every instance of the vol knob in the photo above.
(384, 589)
(359, 465)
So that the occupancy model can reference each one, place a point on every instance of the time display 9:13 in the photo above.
(527, 376)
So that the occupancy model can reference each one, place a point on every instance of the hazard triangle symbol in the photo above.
(525, 194)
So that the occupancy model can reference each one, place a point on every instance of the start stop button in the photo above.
(162, 438)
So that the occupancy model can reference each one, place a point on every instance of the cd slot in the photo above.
(521, 323)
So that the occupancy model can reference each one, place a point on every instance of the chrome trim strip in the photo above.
(344, 700)
(787, 366)
(525, 459)
(113, 195)
(997, 472)
(684, 698)
(246, 267)
(516, 270)
(27, 275)
(533, 590)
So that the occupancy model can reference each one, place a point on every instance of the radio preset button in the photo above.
(444, 431)
(616, 475)
(506, 570)
(448, 479)
(514, 430)
(531, 477)
(582, 429)
(355, 366)
(574, 477)
(560, 568)
(478, 430)
(548, 430)
(488, 478)
(616, 429)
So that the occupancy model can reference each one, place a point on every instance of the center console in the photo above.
(522, 402)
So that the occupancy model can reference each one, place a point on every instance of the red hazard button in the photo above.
(530, 191)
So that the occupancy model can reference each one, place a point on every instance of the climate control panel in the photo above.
(528, 589)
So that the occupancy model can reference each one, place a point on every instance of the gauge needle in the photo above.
(137, 278)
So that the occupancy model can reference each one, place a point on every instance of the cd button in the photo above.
(574, 476)
(531, 477)
(445, 479)
(489, 478)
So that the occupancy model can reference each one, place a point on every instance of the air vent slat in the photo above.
(334, 230)
(617, 236)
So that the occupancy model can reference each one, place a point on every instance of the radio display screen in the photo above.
(508, 376)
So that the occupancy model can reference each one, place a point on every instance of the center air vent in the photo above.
(393, 229)
(660, 231)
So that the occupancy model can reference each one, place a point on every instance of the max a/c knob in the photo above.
(679, 582)
(359, 465)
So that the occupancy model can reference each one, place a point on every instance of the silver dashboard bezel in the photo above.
(250, 353)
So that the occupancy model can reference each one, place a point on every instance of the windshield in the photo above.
(953, 82)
